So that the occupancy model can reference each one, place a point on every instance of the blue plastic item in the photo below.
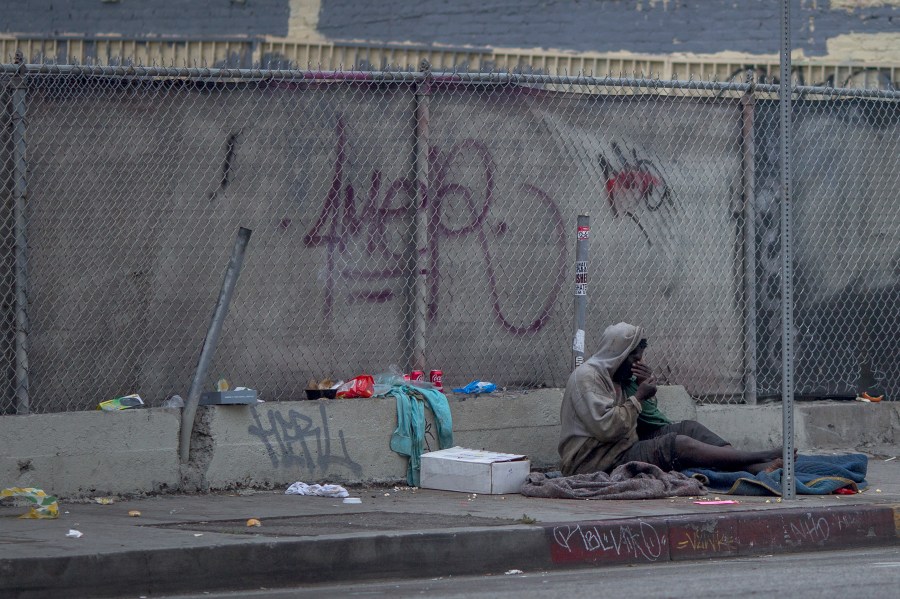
(477, 387)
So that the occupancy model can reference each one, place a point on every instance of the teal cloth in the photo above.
(409, 437)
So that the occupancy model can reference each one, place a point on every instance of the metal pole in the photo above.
(788, 484)
(212, 337)
(419, 240)
(582, 244)
(20, 192)
(748, 150)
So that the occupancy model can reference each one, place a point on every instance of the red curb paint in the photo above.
(702, 538)
(787, 531)
(679, 538)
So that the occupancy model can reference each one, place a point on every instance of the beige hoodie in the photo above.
(598, 423)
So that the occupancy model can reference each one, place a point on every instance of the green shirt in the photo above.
(650, 417)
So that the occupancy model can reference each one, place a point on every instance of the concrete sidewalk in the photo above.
(184, 543)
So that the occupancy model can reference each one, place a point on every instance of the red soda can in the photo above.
(417, 375)
(405, 377)
(437, 379)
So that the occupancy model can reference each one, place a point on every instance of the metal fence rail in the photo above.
(428, 220)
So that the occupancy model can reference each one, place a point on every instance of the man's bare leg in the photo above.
(696, 454)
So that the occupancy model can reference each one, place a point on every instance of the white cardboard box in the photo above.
(473, 471)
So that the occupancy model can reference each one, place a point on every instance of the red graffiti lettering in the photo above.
(633, 184)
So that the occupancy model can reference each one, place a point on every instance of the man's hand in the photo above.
(646, 389)
(641, 372)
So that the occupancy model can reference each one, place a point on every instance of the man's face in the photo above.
(623, 372)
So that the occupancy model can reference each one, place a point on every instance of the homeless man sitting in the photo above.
(609, 417)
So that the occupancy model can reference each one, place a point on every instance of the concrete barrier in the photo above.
(274, 444)
(821, 425)
(348, 440)
(91, 453)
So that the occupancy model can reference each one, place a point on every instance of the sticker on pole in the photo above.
(578, 344)
(583, 232)
(581, 277)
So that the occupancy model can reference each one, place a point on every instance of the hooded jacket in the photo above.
(597, 422)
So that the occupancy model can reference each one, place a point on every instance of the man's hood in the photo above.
(616, 343)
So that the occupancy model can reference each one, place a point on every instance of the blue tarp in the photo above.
(815, 475)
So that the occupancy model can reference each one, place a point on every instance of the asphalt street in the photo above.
(861, 574)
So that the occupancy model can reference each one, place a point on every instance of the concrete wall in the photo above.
(90, 454)
(847, 299)
(347, 440)
(135, 195)
(838, 426)
(135, 202)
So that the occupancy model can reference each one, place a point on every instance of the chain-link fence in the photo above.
(428, 220)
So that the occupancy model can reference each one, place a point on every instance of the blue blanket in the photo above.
(815, 475)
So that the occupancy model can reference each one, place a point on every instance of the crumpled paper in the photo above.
(45, 506)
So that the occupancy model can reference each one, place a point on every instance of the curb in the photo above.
(694, 537)
(472, 551)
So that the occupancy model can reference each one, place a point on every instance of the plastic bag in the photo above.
(477, 387)
(360, 386)
(44, 506)
(385, 380)
(174, 402)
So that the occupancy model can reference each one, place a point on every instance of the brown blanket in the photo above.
(634, 480)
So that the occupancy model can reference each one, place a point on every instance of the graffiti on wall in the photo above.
(634, 186)
(375, 217)
(863, 77)
(295, 440)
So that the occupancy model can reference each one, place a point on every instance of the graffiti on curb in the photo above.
(640, 541)
(295, 441)
(808, 529)
(706, 540)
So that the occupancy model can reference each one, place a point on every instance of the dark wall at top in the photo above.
(643, 26)
(182, 18)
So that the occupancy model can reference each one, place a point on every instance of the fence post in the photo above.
(582, 245)
(20, 254)
(418, 245)
(788, 484)
(748, 181)
(232, 272)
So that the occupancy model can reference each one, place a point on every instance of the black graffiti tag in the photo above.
(287, 441)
